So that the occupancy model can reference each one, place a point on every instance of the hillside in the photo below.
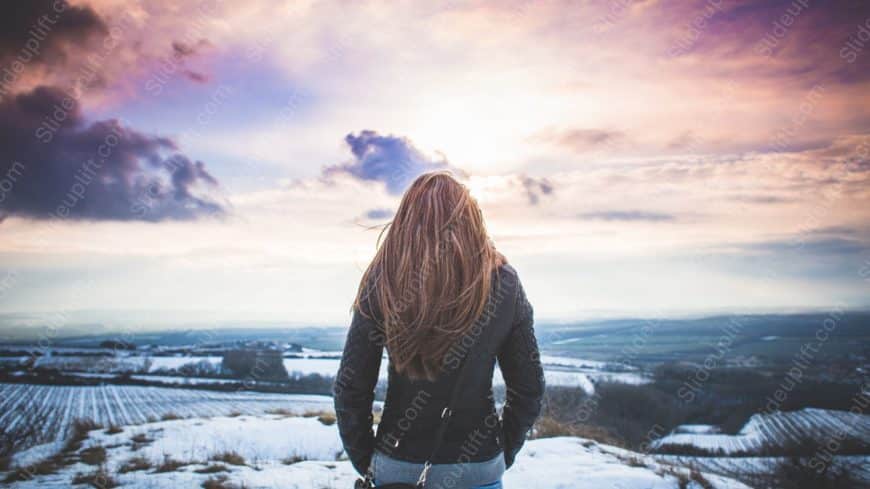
(305, 452)
(768, 432)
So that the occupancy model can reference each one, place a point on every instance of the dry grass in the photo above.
(114, 430)
(281, 412)
(134, 464)
(169, 465)
(93, 455)
(140, 440)
(99, 479)
(45, 467)
(547, 427)
(220, 482)
(170, 416)
(228, 457)
(327, 418)
(697, 477)
(634, 461)
(212, 469)
(80, 430)
(294, 459)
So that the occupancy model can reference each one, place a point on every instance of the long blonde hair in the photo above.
(431, 276)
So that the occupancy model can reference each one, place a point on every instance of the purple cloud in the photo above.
(389, 159)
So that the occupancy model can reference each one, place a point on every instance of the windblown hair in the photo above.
(431, 276)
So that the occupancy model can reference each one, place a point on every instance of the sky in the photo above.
(169, 163)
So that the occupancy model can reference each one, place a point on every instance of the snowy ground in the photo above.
(769, 430)
(54, 408)
(297, 452)
(857, 465)
(557, 370)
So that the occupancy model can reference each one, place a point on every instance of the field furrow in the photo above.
(44, 413)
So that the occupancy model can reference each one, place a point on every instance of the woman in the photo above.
(446, 305)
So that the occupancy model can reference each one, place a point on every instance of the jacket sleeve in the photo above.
(353, 392)
(520, 365)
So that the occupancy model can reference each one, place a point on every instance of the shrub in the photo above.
(170, 416)
(114, 430)
(212, 469)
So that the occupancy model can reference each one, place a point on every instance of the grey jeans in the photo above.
(387, 470)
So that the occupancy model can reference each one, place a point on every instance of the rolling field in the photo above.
(37, 414)
(764, 431)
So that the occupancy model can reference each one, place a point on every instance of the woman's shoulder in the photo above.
(508, 276)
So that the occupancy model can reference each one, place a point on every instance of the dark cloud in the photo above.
(534, 188)
(46, 37)
(810, 42)
(43, 30)
(632, 215)
(390, 159)
(56, 165)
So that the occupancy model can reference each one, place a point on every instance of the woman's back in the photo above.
(477, 444)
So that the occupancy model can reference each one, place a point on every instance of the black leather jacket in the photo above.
(412, 409)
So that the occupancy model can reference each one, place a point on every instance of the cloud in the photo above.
(629, 216)
(581, 140)
(389, 159)
(46, 40)
(56, 165)
(535, 188)
(380, 213)
(809, 243)
(45, 30)
(760, 199)
(181, 51)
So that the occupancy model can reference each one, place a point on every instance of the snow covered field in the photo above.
(272, 451)
(562, 371)
(54, 408)
(765, 430)
(291, 450)
(741, 466)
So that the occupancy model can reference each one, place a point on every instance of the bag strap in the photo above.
(455, 393)
(368, 481)
(446, 413)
